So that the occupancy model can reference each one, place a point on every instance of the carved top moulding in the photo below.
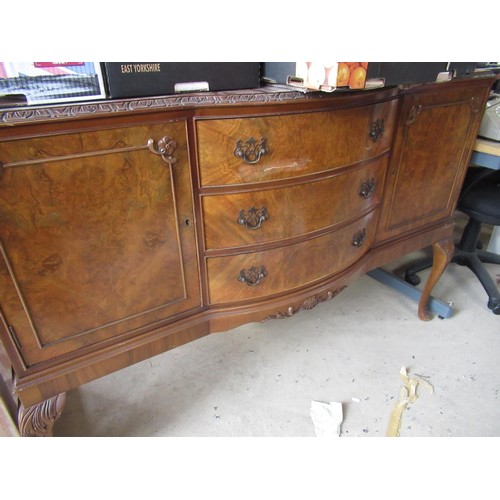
(266, 94)
(15, 115)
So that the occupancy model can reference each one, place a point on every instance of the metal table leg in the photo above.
(436, 306)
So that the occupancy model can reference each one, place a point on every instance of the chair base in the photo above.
(474, 261)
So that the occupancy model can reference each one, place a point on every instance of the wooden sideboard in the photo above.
(131, 227)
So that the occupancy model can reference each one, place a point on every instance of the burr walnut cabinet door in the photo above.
(97, 236)
(434, 140)
(276, 214)
(266, 148)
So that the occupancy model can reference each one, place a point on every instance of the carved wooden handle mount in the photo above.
(254, 218)
(165, 147)
(367, 188)
(376, 129)
(359, 238)
(251, 151)
(252, 276)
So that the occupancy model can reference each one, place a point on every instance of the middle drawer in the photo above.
(250, 218)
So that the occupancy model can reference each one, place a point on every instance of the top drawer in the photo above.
(266, 148)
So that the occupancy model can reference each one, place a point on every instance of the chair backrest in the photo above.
(480, 195)
(473, 176)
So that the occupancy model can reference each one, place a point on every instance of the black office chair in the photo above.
(480, 200)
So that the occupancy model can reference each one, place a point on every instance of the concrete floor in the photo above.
(260, 379)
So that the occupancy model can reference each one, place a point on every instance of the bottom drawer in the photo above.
(259, 274)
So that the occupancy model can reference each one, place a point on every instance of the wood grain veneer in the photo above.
(293, 210)
(119, 232)
(299, 144)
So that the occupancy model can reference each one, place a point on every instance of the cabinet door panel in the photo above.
(94, 243)
(432, 149)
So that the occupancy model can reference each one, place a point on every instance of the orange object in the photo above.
(357, 78)
(352, 74)
(343, 74)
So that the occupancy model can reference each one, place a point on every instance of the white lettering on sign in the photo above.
(141, 68)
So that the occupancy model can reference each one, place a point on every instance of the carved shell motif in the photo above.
(308, 304)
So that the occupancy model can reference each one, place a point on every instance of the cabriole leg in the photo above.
(442, 254)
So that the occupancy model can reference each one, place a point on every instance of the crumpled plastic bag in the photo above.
(327, 418)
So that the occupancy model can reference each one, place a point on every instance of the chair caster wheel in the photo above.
(494, 306)
(412, 279)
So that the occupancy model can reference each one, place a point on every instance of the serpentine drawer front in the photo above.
(259, 274)
(256, 217)
(265, 148)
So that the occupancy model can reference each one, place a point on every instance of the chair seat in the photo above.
(480, 198)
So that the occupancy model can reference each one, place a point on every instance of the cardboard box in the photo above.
(136, 79)
(51, 82)
(316, 75)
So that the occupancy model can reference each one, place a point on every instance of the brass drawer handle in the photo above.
(252, 276)
(254, 218)
(165, 148)
(251, 151)
(376, 129)
(359, 238)
(367, 188)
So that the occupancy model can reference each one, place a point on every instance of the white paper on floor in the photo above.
(327, 418)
